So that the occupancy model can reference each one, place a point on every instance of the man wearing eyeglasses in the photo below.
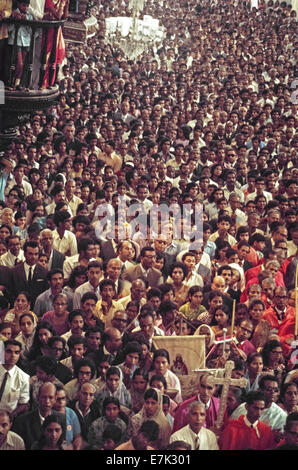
(279, 313)
(272, 414)
(244, 332)
(144, 270)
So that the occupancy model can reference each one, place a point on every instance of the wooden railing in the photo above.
(35, 26)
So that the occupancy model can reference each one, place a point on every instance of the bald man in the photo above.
(55, 258)
(111, 347)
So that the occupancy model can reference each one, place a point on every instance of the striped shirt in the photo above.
(13, 442)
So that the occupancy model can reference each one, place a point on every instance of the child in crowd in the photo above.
(23, 38)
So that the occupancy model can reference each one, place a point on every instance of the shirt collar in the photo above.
(207, 405)
(107, 353)
(144, 270)
(79, 410)
(252, 425)
(10, 371)
(42, 418)
(195, 437)
(28, 267)
(9, 439)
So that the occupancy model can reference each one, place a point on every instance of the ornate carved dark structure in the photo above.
(80, 24)
(19, 103)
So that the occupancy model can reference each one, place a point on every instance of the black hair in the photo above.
(74, 339)
(133, 347)
(150, 429)
(160, 378)
(255, 395)
(267, 348)
(113, 371)
(142, 372)
(151, 393)
(47, 364)
(161, 353)
(35, 349)
(177, 445)
(81, 363)
(264, 378)
(75, 313)
(107, 401)
(77, 271)
(112, 432)
(291, 418)
(180, 265)
(53, 418)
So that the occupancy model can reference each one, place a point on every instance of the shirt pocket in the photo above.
(14, 394)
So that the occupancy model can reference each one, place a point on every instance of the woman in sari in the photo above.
(21, 305)
(152, 410)
(54, 10)
(114, 387)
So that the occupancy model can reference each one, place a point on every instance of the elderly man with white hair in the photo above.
(195, 433)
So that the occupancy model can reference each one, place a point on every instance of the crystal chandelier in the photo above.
(132, 35)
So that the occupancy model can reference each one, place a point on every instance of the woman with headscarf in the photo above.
(138, 388)
(209, 334)
(152, 410)
(114, 387)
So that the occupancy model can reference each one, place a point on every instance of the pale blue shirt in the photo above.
(273, 416)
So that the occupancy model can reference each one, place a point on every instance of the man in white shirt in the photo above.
(14, 255)
(63, 239)
(223, 225)
(19, 180)
(194, 433)
(14, 388)
(95, 275)
(142, 195)
(72, 200)
(86, 253)
(231, 186)
(58, 195)
(125, 252)
(260, 186)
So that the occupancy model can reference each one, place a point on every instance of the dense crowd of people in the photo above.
(202, 130)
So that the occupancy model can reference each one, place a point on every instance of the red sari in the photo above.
(60, 45)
